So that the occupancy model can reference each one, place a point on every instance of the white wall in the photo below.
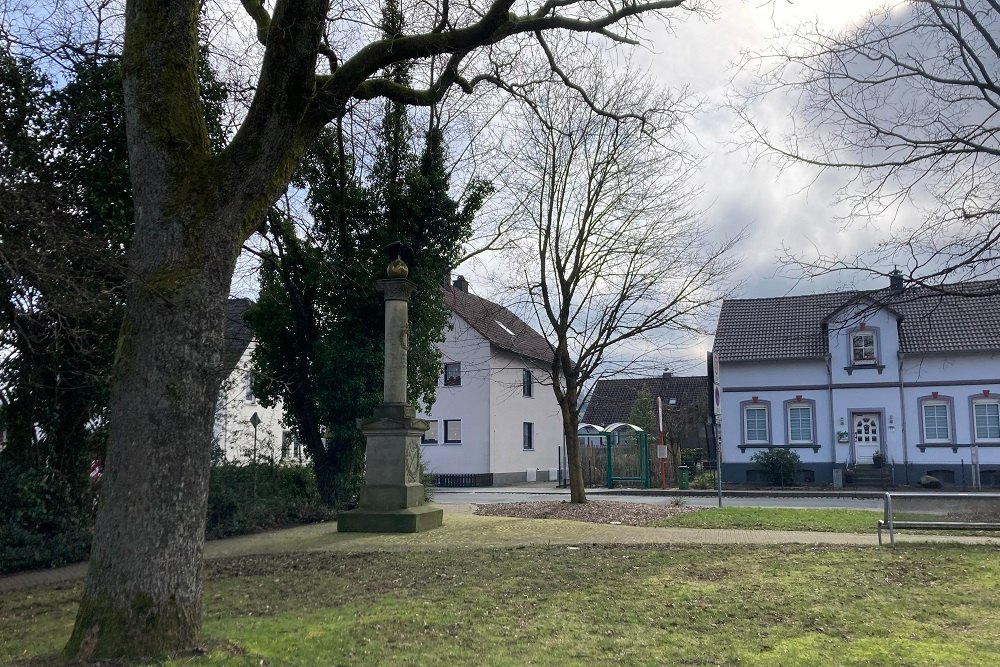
(233, 432)
(885, 325)
(775, 382)
(511, 409)
(955, 376)
(469, 402)
(958, 376)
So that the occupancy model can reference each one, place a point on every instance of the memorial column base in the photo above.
(392, 500)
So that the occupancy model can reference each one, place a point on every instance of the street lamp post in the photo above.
(255, 422)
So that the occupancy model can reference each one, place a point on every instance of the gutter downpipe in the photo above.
(833, 419)
(902, 421)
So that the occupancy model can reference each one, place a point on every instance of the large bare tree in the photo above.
(908, 104)
(618, 262)
(196, 206)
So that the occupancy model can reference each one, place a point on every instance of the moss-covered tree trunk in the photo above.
(193, 210)
(143, 588)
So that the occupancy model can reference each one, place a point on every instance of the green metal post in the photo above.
(607, 441)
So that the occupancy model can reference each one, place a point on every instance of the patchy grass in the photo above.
(832, 520)
(638, 605)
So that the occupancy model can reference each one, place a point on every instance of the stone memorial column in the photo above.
(392, 500)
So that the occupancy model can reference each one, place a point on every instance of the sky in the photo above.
(791, 208)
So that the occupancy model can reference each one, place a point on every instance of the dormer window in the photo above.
(863, 350)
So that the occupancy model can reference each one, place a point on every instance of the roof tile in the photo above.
(791, 327)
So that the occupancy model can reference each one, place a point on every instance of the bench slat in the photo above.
(944, 525)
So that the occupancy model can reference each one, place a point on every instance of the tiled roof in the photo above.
(238, 333)
(498, 325)
(611, 400)
(791, 327)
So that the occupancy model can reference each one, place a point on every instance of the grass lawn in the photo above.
(557, 605)
(831, 520)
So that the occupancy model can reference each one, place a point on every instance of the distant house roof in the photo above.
(611, 400)
(496, 324)
(238, 333)
(791, 327)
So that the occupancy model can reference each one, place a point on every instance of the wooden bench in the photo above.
(889, 522)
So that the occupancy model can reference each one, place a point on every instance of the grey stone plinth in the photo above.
(409, 520)
(392, 500)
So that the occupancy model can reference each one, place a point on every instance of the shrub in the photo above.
(704, 480)
(44, 521)
(250, 498)
(691, 457)
(781, 466)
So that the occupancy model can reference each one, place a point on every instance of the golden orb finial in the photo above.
(397, 269)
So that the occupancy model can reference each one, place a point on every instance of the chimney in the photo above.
(895, 281)
(461, 284)
(667, 373)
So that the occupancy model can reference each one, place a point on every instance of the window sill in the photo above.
(429, 443)
(859, 367)
(459, 442)
(813, 446)
(954, 447)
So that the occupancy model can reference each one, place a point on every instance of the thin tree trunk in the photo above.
(577, 492)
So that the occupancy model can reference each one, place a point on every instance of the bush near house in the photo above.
(249, 498)
(781, 466)
(704, 480)
(44, 521)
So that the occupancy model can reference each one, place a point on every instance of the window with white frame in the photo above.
(801, 422)
(528, 439)
(430, 436)
(248, 389)
(863, 350)
(986, 420)
(286, 444)
(453, 374)
(756, 424)
(527, 382)
(935, 416)
(452, 431)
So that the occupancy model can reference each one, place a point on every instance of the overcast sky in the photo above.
(793, 208)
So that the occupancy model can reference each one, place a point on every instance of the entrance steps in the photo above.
(870, 476)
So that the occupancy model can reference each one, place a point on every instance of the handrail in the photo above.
(890, 522)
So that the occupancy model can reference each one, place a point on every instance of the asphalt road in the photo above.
(513, 496)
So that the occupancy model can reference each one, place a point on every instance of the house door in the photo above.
(867, 436)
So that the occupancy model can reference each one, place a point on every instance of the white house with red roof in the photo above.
(236, 437)
(495, 419)
(906, 378)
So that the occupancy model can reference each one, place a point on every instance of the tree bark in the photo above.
(566, 397)
(577, 492)
(143, 589)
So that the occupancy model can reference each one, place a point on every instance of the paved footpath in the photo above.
(464, 530)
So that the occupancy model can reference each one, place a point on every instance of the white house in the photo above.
(234, 431)
(909, 375)
(495, 420)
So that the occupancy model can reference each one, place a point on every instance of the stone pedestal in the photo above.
(392, 500)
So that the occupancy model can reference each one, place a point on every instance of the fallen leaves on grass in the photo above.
(630, 514)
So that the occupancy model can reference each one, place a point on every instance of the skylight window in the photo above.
(504, 327)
